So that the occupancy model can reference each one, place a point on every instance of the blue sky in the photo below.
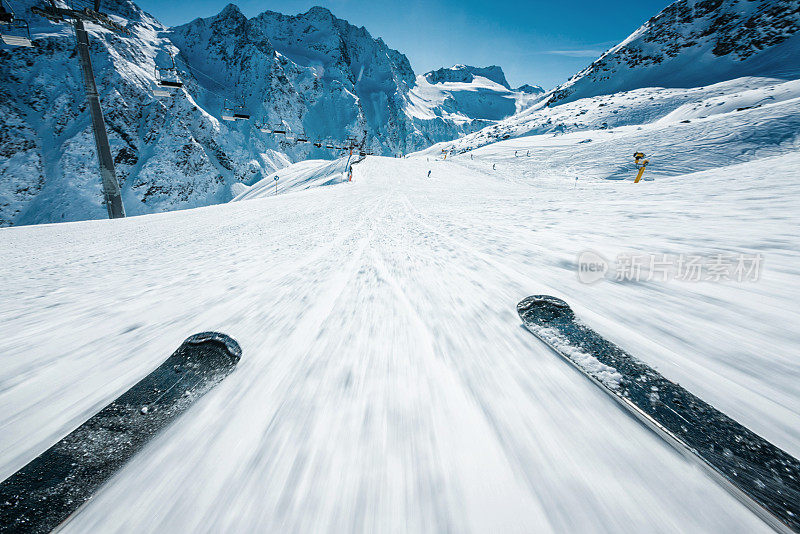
(536, 42)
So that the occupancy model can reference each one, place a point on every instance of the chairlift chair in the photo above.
(301, 137)
(278, 128)
(14, 31)
(234, 112)
(167, 80)
(317, 144)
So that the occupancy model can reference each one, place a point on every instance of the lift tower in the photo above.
(77, 17)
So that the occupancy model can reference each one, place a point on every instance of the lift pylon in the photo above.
(111, 191)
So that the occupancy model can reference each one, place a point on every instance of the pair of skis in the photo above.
(45, 493)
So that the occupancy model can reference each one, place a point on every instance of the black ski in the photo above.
(761, 475)
(41, 495)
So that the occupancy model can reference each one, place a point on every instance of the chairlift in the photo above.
(301, 137)
(14, 31)
(234, 112)
(317, 144)
(330, 146)
(167, 80)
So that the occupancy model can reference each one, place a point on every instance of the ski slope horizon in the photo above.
(386, 381)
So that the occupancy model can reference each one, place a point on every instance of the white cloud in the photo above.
(589, 52)
(592, 51)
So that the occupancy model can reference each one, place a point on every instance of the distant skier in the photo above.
(494, 166)
(515, 153)
(429, 174)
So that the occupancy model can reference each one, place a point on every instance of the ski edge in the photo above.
(674, 441)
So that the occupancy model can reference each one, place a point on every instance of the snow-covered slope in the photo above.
(761, 112)
(386, 383)
(312, 73)
(697, 42)
(296, 177)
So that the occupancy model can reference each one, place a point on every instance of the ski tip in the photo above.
(233, 348)
(543, 308)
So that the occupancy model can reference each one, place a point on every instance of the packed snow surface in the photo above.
(386, 383)
(303, 175)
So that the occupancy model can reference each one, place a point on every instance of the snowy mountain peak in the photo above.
(319, 12)
(466, 74)
(231, 10)
(530, 89)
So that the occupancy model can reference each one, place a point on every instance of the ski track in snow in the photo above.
(386, 383)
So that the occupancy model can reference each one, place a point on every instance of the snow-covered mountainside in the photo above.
(320, 75)
(169, 154)
(311, 73)
(691, 62)
(693, 110)
(696, 42)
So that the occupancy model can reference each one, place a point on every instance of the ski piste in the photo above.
(44, 493)
(759, 474)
